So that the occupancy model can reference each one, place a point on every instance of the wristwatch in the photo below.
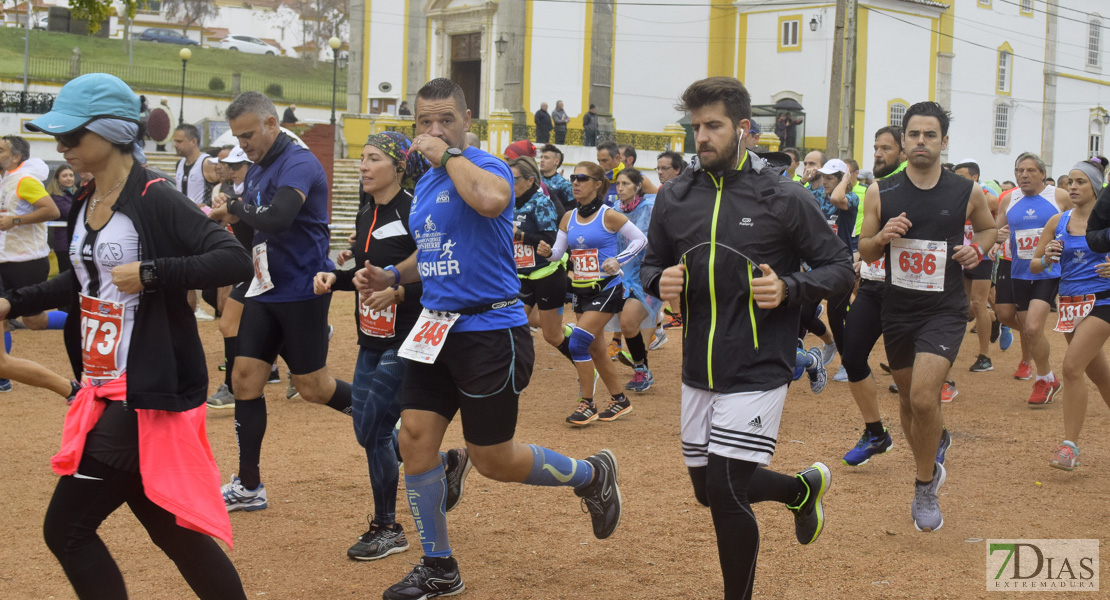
(17, 221)
(448, 155)
(148, 274)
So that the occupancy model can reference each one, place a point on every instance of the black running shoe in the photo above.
(602, 498)
(982, 365)
(379, 542)
(275, 376)
(809, 516)
(617, 408)
(458, 467)
(426, 581)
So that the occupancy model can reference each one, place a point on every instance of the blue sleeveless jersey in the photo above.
(465, 260)
(1027, 217)
(1077, 264)
(593, 236)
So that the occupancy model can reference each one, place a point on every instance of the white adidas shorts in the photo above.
(744, 426)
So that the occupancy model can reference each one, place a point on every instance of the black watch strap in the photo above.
(148, 274)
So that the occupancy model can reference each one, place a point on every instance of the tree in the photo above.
(188, 12)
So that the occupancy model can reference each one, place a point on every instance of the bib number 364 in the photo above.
(426, 339)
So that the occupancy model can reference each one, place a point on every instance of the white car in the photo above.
(248, 44)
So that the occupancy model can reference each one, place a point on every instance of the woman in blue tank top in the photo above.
(590, 233)
(1084, 308)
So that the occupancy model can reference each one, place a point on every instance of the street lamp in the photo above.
(335, 43)
(185, 55)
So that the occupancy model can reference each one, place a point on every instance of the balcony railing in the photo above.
(26, 102)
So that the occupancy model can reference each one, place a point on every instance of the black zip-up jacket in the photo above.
(729, 344)
(165, 365)
(1098, 224)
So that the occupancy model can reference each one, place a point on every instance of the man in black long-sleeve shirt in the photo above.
(1098, 224)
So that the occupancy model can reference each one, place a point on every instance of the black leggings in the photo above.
(810, 322)
(80, 505)
(863, 327)
(837, 313)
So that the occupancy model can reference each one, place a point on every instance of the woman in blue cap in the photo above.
(135, 433)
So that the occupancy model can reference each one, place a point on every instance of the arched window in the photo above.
(1005, 69)
(896, 111)
(1095, 144)
(1094, 42)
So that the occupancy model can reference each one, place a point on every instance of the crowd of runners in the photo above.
(460, 259)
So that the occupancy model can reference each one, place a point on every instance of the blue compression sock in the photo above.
(427, 495)
(56, 319)
(548, 468)
(8, 342)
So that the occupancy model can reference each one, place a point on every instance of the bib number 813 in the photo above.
(916, 262)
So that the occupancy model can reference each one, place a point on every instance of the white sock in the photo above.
(1049, 378)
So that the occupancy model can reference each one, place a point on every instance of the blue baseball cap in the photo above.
(85, 99)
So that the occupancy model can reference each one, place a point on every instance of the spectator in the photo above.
(669, 165)
(543, 124)
(561, 119)
(786, 127)
(404, 109)
(589, 126)
(551, 158)
(62, 188)
(288, 117)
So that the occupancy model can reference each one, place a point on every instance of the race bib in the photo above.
(586, 265)
(427, 337)
(969, 233)
(832, 223)
(101, 329)
(1027, 240)
(261, 282)
(919, 264)
(374, 323)
(874, 271)
(1071, 310)
(524, 254)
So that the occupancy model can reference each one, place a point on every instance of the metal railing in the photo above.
(26, 102)
(295, 90)
(658, 142)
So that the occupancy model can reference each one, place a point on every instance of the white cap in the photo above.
(969, 160)
(237, 156)
(834, 166)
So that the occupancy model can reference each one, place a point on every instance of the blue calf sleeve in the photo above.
(580, 341)
(55, 319)
(8, 342)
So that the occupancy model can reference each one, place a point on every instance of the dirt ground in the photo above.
(516, 541)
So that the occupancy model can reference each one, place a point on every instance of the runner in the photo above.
(912, 218)
(137, 433)
(863, 326)
(1084, 310)
(285, 202)
(551, 161)
(480, 357)
(1023, 216)
(977, 281)
(597, 284)
(737, 360)
(833, 190)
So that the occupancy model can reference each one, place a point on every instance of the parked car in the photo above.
(248, 44)
(166, 36)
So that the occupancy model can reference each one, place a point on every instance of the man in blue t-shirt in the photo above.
(285, 202)
(480, 357)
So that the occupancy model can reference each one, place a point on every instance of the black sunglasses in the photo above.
(581, 178)
(71, 139)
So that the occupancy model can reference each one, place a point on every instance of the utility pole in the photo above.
(848, 100)
(832, 126)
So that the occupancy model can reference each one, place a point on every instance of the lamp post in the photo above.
(335, 43)
(185, 55)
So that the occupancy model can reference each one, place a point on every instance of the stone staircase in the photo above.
(344, 200)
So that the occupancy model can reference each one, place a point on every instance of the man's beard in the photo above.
(724, 161)
(885, 170)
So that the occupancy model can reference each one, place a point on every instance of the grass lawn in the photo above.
(158, 67)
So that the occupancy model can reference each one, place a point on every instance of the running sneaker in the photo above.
(1024, 371)
(982, 364)
(642, 380)
(948, 391)
(828, 352)
(275, 376)
(237, 497)
(1066, 457)
(841, 375)
(74, 387)
(809, 516)
(379, 542)
(601, 497)
(223, 367)
(926, 507)
(613, 349)
(945, 444)
(203, 315)
(893, 388)
(885, 367)
(290, 390)
(432, 578)
(223, 398)
(617, 408)
(996, 330)
(658, 339)
(626, 359)
(567, 330)
(584, 414)
(1044, 392)
(5, 385)
(673, 322)
(820, 311)
(1006, 338)
(868, 446)
(457, 468)
(818, 376)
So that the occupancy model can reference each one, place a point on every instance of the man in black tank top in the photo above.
(915, 220)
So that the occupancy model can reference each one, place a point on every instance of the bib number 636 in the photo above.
(917, 262)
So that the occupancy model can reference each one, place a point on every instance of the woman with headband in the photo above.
(135, 433)
(1084, 306)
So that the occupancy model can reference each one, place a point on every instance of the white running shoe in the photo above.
(237, 497)
(202, 315)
